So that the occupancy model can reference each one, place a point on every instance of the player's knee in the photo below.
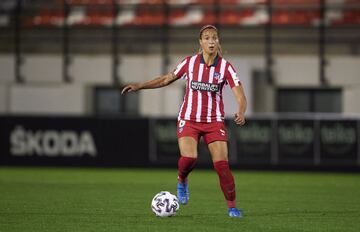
(219, 157)
(189, 155)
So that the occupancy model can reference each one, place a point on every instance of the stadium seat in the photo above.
(295, 2)
(47, 17)
(104, 2)
(189, 2)
(99, 17)
(177, 17)
(89, 2)
(280, 17)
(294, 17)
(254, 17)
(149, 17)
(229, 17)
(194, 15)
(126, 17)
(203, 2)
(247, 2)
(155, 2)
(209, 18)
(351, 17)
(351, 13)
(228, 2)
(243, 16)
(76, 16)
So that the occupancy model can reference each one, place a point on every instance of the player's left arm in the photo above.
(235, 84)
(241, 100)
(239, 117)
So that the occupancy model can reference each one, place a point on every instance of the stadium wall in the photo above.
(43, 75)
(47, 99)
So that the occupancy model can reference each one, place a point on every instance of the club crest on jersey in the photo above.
(216, 75)
(195, 85)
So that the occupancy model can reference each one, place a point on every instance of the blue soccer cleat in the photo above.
(183, 193)
(234, 213)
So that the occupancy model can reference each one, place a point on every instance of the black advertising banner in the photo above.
(124, 141)
(253, 142)
(166, 146)
(338, 142)
(138, 142)
(296, 141)
(164, 137)
(204, 157)
(72, 141)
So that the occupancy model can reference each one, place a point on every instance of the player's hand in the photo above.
(130, 88)
(239, 119)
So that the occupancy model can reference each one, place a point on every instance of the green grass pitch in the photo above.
(69, 199)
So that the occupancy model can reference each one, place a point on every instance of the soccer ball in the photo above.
(165, 204)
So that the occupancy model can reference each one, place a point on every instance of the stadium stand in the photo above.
(189, 12)
(149, 16)
(97, 17)
(47, 17)
(296, 17)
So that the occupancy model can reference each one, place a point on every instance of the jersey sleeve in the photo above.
(231, 76)
(180, 70)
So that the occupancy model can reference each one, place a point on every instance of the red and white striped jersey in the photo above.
(203, 101)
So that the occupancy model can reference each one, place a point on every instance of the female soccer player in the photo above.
(202, 112)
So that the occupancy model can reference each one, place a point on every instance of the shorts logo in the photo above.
(222, 132)
(181, 125)
(216, 75)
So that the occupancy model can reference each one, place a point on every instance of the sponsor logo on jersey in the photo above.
(201, 86)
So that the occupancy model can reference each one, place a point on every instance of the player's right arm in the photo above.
(158, 82)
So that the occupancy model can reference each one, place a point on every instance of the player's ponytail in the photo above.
(219, 50)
